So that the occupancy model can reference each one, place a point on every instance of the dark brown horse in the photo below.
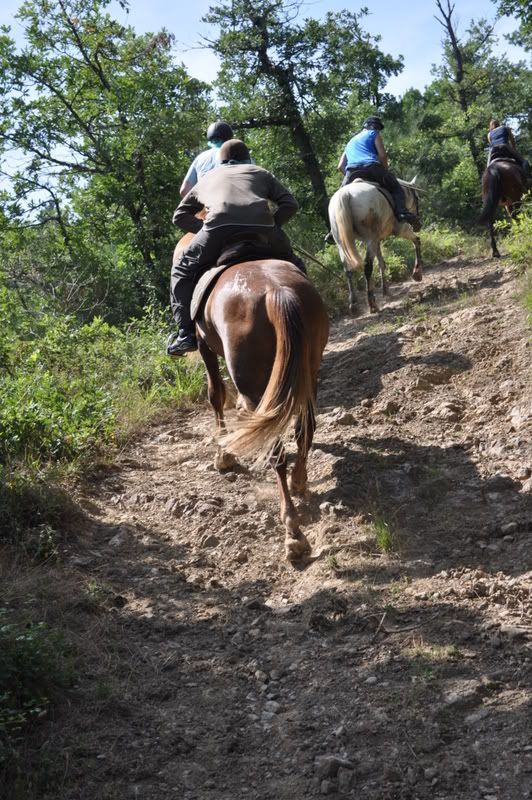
(503, 184)
(268, 322)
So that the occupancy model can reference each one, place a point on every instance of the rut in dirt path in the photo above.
(397, 665)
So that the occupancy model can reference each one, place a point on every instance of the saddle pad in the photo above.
(385, 193)
(203, 286)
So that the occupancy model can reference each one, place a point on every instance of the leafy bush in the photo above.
(441, 243)
(35, 666)
(75, 388)
(518, 242)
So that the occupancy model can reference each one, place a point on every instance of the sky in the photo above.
(406, 28)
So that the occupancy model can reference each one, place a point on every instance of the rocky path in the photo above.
(398, 663)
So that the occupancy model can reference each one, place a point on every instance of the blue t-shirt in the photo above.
(361, 151)
(499, 136)
(202, 164)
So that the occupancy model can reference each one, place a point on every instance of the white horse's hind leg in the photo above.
(368, 272)
(353, 305)
(382, 270)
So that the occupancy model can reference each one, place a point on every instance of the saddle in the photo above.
(385, 193)
(503, 157)
(251, 246)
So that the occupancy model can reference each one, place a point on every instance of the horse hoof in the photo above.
(297, 549)
(224, 461)
(417, 275)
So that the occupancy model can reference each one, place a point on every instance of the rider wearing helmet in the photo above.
(236, 197)
(502, 145)
(365, 157)
(217, 133)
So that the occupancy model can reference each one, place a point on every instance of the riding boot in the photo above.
(182, 287)
(402, 213)
(184, 341)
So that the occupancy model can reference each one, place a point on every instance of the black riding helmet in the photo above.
(220, 131)
(373, 122)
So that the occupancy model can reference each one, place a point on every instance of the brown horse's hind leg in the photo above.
(216, 394)
(296, 543)
(298, 478)
(494, 249)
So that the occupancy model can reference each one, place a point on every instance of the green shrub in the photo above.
(35, 667)
(76, 388)
(440, 243)
(518, 242)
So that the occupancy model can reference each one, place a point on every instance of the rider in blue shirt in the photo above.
(365, 157)
(217, 133)
(502, 145)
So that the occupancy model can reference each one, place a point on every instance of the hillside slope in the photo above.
(398, 663)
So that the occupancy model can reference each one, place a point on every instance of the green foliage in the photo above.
(439, 243)
(329, 278)
(383, 534)
(518, 241)
(296, 78)
(105, 119)
(75, 388)
(35, 666)
(522, 10)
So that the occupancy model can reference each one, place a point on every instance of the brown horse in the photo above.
(269, 323)
(503, 184)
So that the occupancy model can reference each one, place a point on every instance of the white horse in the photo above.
(363, 211)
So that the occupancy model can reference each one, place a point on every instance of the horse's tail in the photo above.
(290, 390)
(492, 194)
(340, 209)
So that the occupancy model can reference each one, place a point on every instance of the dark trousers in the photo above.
(377, 174)
(203, 252)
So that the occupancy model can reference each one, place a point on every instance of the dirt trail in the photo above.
(215, 671)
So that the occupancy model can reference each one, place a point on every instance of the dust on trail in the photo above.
(212, 670)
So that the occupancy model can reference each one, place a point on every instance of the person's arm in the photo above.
(342, 164)
(286, 203)
(511, 138)
(381, 152)
(184, 215)
(186, 186)
(190, 180)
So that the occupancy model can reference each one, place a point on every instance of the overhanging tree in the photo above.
(102, 118)
(279, 71)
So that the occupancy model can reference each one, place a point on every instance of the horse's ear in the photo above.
(413, 179)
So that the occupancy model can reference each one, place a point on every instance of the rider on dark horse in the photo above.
(502, 146)
(236, 197)
(365, 157)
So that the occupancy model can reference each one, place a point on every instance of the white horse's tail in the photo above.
(342, 226)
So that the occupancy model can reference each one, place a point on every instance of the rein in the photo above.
(309, 255)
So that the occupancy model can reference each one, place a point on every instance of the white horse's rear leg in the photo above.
(382, 270)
